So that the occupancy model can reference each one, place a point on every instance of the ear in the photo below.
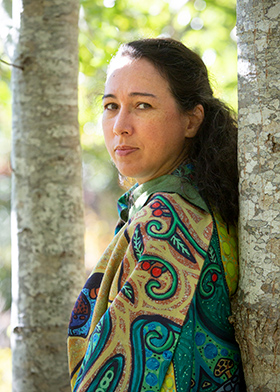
(195, 118)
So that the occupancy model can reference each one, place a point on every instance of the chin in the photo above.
(126, 182)
(127, 173)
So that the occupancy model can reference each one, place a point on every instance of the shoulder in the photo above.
(167, 205)
(177, 204)
(172, 215)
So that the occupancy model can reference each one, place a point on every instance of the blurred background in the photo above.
(208, 27)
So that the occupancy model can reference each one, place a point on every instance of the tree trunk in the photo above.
(47, 210)
(256, 308)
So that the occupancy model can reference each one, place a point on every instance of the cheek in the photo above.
(154, 130)
(106, 123)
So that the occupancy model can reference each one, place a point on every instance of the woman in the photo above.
(154, 315)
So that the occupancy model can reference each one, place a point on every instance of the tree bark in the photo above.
(47, 203)
(256, 307)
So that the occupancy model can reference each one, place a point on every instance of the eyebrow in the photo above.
(131, 95)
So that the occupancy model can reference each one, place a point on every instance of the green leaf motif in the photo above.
(128, 291)
(212, 255)
(137, 243)
(181, 247)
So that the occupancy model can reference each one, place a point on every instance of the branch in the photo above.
(12, 65)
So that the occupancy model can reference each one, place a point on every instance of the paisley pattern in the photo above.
(153, 316)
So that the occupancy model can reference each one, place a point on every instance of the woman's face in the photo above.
(145, 133)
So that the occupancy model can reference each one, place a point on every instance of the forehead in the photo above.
(130, 74)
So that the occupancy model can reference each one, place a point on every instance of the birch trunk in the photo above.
(257, 310)
(47, 211)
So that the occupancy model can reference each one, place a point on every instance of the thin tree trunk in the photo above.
(257, 306)
(47, 210)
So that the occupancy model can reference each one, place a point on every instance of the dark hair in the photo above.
(213, 151)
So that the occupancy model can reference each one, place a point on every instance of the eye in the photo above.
(143, 105)
(111, 106)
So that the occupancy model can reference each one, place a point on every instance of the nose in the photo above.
(123, 123)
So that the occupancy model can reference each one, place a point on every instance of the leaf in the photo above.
(137, 243)
(182, 247)
(128, 292)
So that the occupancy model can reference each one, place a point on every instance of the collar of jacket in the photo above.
(179, 181)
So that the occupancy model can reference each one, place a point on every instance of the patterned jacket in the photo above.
(154, 314)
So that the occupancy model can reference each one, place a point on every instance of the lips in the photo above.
(124, 150)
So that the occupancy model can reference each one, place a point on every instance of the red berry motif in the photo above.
(146, 265)
(156, 272)
(156, 205)
(157, 213)
(214, 278)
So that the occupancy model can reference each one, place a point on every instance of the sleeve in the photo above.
(134, 341)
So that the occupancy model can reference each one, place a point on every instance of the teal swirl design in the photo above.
(208, 280)
(212, 296)
(109, 375)
(155, 284)
(158, 342)
(96, 344)
(154, 228)
(154, 340)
